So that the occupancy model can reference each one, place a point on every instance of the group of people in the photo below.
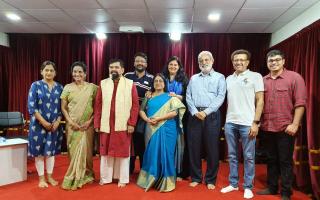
(167, 120)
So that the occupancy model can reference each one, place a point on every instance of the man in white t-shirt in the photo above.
(245, 103)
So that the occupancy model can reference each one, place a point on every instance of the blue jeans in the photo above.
(234, 133)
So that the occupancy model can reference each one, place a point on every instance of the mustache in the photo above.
(206, 66)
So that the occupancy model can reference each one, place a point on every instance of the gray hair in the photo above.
(202, 53)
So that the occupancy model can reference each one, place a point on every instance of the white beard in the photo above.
(205, 69)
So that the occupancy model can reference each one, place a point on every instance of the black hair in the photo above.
(48, 62)
(165, 89)
(140, 54)
(114, 60)
(275, 52)
(80, 64)
(180, 76)
(241, 51)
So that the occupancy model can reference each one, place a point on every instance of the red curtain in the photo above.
(20, 64)
(302, 55)
(5, 54)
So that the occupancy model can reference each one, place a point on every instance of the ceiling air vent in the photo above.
(131, 29)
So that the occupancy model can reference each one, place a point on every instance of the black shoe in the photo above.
(266, 191)
(285, 197)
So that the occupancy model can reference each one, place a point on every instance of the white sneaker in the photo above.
(229, 188)
(247, 194)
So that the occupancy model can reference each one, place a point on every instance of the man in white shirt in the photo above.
(245, 104)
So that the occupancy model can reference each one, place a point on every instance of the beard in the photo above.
(206, 68)
(115, 75)
(140, 68)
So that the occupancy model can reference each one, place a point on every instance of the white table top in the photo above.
(13, 141)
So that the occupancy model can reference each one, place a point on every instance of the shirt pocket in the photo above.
(282, 92)
(212, 87)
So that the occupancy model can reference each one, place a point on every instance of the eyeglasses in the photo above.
(141, 61)
(239, 60)
(204, 60)
(274, 60)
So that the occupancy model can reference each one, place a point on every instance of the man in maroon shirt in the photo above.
(115, 115)
(284, 105)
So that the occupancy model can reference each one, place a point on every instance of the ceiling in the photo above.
(155, 16)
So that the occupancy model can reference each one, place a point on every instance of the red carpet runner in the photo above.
(28, 190)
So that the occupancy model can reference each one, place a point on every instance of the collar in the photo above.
(241, 74)
(210, 73)
(282, 75)
(145, 74)
(54, 83)
(135, 73)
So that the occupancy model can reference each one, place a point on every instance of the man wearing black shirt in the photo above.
(143, 81)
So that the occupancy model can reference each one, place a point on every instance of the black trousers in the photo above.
(185, 163)
(204, 134)
(279, 147)
(139, 148)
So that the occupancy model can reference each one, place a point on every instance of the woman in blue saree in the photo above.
(163, 114)
(176, 85)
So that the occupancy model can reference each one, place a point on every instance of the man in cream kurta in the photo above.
(115, 115)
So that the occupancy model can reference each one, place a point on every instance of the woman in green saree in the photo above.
(77, 100)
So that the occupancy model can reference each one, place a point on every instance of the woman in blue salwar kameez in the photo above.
(163, 114)
(45, 132)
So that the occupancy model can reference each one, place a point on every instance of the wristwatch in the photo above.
(256, 122)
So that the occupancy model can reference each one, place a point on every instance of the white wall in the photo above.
(4, 39)
(309, 16)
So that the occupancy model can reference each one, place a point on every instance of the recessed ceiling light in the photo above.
(101, 36)
(214, 17)
(175, 36)
(13, 17)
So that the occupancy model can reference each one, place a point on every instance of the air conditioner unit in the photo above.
(4, 39)
(131, 29)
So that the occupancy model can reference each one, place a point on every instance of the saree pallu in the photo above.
(159, 160)
(80, 143)
(177, 88)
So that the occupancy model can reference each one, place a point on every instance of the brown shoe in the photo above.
(266, 191)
